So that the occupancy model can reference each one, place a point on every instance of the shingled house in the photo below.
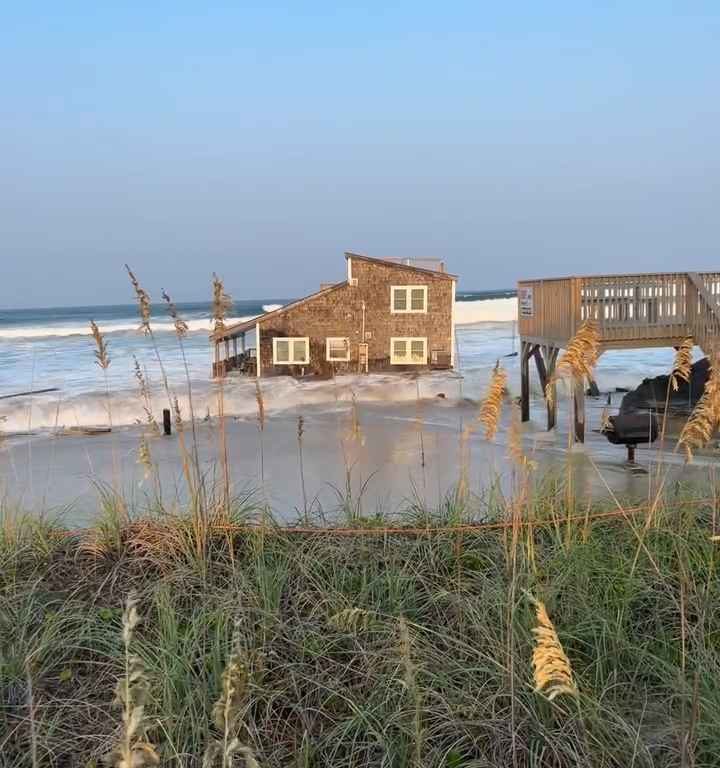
(387, 315)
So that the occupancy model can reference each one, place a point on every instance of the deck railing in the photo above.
(630, 310)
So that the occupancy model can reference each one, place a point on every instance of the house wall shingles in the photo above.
(338, 312)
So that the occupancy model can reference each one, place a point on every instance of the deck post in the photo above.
(579, 409)
(551, 356)
(525, 349)
(540, 365)
(242, 342)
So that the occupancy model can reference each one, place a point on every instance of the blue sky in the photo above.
(263, 140)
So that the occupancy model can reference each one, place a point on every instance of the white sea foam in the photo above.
(199, 325)
(485, 311)
(466, 313)
(282, 393)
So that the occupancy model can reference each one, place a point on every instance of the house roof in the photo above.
(402, 264)
(248, 325)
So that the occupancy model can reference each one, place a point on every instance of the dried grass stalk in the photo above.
(351, 620)
(145, 457)
(229, 711)
(260, 400)
(705, 418)
(551, 667)
(102, 358)
(181, 327)
(143, 300)
(580, 357)
(177, 415)
(355, 432)
(682, 363)
(515, 444)
(133, 750)
(145, 397)
(491, 408)
(221, 304)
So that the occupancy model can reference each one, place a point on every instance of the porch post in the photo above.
(258, 351)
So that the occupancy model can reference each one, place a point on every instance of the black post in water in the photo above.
(167, 424)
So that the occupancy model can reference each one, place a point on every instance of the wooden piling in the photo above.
(579, 409)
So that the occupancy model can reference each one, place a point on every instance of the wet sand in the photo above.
(401, 452)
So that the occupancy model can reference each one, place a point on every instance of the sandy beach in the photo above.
(398, 453)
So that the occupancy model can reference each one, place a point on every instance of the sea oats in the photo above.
(145, 457)
(145, 396)
(133, 750)
(682, 364)
(515, 443)
(177, 415)
(260, 401)
(491, 408)
(580, 357)
(355, 432)
(551, 667)
(350, 620)
(102, 358)
(143, 300)
(181, 327)
(229, 711)
(705, 418)
(221, 303)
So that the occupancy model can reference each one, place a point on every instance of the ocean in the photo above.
(53, 349)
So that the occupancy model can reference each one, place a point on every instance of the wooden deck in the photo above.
(631, 311)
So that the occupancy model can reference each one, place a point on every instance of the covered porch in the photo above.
(232, 351)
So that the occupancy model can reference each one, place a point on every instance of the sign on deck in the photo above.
(525, 301)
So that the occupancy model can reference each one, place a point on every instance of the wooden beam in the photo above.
(579, 410)
(540, 365)
(593, 389)
(551, 355)
(525, 349)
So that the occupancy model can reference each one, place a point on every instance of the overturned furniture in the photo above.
(630, 311)
(631, 430)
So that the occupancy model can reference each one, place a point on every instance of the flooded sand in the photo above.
(391, 454)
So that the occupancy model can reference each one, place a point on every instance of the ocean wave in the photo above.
(123, 408)
(200, 325)
(485, 311)
(466, 313)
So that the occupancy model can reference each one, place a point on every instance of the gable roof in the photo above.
(400, 264)
(248, 325)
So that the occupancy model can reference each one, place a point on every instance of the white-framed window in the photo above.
(408, 298)
(291, 350)
(337, 349)
(408, 350)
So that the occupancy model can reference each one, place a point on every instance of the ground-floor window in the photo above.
(408, 351)
(291, 350)
(337, 349)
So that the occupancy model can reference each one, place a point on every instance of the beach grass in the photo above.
(375, 649)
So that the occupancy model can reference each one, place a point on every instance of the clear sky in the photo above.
(262, 140)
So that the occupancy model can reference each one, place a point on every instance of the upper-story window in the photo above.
(408, 298)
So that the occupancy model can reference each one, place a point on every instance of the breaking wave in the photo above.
(48, 331)
(466, 313)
